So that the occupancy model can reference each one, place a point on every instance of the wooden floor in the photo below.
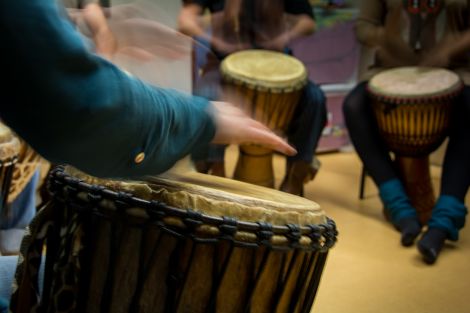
(368, 270)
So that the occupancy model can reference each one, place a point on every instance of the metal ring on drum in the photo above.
(267, 85)
(412, 106)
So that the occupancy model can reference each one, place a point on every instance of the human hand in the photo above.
(278, 44)
(390, 41)
(226, 48)
(104, 39)
(436, 58)
(129, 32)
(233, 126)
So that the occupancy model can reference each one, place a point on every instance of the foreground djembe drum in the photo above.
(176, 243)
(9, 151)
(412, 106)
(269, 85)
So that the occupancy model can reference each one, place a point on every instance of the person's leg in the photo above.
(304, 133)
(364, 133)
(20, 213)
(7, 272)
(448, 215)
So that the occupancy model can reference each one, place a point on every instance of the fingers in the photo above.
(94, 17)
(235, 127)
(267, 138)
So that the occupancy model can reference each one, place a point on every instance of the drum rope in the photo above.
(322, 237)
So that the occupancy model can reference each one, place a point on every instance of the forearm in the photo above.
(458, 46)
(369, 34)
(370, 25)
(79, 109)
(303, 26)
(189, 21)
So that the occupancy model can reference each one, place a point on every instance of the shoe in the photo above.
(410, 228)
(297, 174)
(430, 245)
(212, 168)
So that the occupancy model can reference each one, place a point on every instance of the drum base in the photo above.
(255, 166)
(416, 177)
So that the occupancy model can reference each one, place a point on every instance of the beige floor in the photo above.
(368, 270)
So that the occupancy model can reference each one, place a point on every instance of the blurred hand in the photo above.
(278, 44)
(392, 49)
(226, 48)
(104, 39)
(235, 127)
(129, 32)
(439, 58)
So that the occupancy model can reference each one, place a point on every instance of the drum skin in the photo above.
(178, 243)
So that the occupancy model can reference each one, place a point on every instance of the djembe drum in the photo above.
(9, 151)
(412, 106)
(175, 243)
(269, 86)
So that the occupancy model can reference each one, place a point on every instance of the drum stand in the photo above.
(415, 175)
(255, 166)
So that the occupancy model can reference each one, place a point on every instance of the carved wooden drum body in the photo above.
(268, 85)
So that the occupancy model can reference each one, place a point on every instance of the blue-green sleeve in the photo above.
(74, 107)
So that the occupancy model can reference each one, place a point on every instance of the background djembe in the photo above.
(268, 86)
(413, 106)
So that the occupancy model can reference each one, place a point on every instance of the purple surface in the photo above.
(331, 55)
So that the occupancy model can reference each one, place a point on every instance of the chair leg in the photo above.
(362, 183)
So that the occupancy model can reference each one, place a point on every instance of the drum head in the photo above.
(266, 70)
(415, 82)
(9, 144)
(219, 197)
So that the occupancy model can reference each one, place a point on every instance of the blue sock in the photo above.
(449, 215)
(396, 201)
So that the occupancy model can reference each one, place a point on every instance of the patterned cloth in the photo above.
(60, 294)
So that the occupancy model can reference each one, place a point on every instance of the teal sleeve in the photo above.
(74, 107)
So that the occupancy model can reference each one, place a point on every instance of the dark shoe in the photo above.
(297, 174)
(212, 168)
(410, 228)
(430, 245)
(202, 166)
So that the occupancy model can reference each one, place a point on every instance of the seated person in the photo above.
(238, 25)
(410, 36)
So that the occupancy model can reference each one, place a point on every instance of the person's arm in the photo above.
(381, 27)
(301, 24)
(75, 107)
(304, 18)
(189, 20)
(455, 44)
(369, 25)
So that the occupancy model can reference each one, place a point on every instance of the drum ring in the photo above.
(321, 237)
